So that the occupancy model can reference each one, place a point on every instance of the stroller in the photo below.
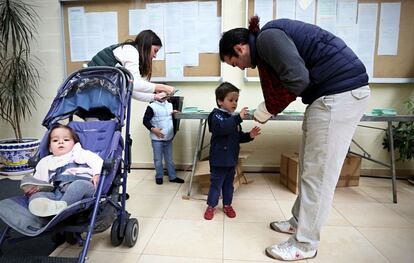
(95, 102)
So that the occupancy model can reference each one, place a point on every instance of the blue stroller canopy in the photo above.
(95, 89)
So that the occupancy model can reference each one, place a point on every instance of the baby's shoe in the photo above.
(229, 211)
(209, 213)
(46, 207)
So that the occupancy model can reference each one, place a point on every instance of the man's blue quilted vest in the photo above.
(333, 66)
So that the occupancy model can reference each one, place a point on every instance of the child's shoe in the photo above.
(209, 213)
(46, 207)
(158, 180)
(177, 180)
(229, 211)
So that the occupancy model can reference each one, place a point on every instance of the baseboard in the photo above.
(276, 169)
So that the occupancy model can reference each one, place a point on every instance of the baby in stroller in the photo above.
(95, 103)
(73, 171)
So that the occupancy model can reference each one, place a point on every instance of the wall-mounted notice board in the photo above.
(392, 26)
(116, 20)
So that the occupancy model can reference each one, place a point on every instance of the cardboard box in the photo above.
(351, 171)
(289, 171)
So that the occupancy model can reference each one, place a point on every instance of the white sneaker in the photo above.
(289, 252)
(283, 227)
(46, 207)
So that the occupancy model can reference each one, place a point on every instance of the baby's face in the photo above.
(61, 141)
(230, 102)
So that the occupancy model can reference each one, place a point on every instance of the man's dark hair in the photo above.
(223, 89)
(231, 38)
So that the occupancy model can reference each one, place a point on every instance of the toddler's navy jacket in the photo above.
(226, 137)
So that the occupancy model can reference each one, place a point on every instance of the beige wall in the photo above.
(277, 137)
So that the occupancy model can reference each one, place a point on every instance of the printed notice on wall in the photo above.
(77, 34)
(90, 32)
(389, 28)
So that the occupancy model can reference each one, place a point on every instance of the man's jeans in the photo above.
(163, 149)
(328, 126)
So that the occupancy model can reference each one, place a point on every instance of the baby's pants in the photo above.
(71, 193)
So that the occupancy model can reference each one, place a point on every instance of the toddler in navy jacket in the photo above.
(225, 142)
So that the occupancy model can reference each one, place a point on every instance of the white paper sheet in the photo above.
(326, 15)
(264, 9)
(138, 21)
(174, 65)
(389, 29)
(346, 22)
(156, 23)
(347, 12)
(173, 27)
(305, 11)
(190, 49)
(77, 34)
(285, 9)
(102, 31)
(190, 9)
(209, 36)
(207, 10)
(367, 27)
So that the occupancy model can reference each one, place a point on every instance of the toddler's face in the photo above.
(230, 102)
(61, 141)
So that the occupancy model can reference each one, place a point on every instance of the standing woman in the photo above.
(136, 56)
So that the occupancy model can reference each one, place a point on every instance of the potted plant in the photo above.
(19, 79)
(403, 135)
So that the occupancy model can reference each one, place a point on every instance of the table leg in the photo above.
(196, 156)
(392, 166)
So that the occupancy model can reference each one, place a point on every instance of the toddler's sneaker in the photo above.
(283, 227)
(288, 252)
(229, 211)
(158, 180)
(46, 207)
(209, 213)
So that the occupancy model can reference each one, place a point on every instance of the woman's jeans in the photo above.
(163, 149)
(328, 126)
(71, 193)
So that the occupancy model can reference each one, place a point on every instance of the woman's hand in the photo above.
(160, 96)
(164, 88)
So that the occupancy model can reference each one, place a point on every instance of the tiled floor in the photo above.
(364, 225)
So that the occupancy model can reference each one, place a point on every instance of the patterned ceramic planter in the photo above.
(14, 156)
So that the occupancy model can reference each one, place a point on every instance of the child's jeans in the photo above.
(163, 149)
(71, 193)
(221, 180)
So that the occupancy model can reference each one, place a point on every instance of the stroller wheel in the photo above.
(131, 232)
(116, 239)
